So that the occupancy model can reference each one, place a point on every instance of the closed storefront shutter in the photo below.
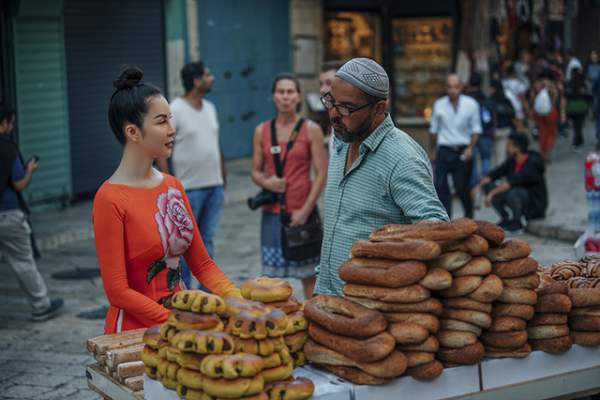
(101, 37)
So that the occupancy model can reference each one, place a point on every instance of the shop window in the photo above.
(352, 34)
(422, 59)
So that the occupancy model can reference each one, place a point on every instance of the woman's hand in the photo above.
(275, 184)
(299, 217)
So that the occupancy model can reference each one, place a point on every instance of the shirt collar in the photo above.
(374, 139)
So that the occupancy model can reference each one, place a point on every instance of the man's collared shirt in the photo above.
(455, 127)
(389, 183)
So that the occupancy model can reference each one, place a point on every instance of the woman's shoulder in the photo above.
(109, 196)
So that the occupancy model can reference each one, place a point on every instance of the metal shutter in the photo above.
(101, 37)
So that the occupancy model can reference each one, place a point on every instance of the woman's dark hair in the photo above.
(520, 140)
(285, 76)
(189, 72)
(577, 82)
(6, 112)
(129, 102)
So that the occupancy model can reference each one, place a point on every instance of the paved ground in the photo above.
(46, 360)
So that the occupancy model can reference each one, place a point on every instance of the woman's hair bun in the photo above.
(130, 77)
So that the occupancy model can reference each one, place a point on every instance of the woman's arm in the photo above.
(108, 220)
(319, 163)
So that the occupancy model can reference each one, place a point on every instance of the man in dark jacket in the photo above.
(517, 186)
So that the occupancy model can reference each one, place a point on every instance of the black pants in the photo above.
(578, 120)
(515, 200)
(448, 162)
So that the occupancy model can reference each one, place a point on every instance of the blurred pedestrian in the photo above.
(15, 231)
(328, 70)
(505, 115)
(592, 69)
(143, 220)
(545, 100)
(197, 159)
(285, 170)
(517, 188)
(455, 128)
(579, 101)
(572, 64)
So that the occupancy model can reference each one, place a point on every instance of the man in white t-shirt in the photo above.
(455, 128)
(197, 159)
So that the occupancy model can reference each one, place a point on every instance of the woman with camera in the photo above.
(285, 148)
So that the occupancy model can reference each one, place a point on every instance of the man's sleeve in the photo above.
(476, 120)
(411, 187)
(18, 170)
(434, 125)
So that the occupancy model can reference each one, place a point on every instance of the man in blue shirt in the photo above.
(15, 244)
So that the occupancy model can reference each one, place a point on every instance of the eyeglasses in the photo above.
(329, 103)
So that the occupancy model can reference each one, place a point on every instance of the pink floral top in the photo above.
(140, 234)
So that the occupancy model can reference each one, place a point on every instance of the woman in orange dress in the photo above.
(142, 218)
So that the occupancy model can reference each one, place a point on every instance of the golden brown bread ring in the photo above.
(436, 279)
(463, 303)
(490, 289)
(548, 319)
(172, 353)
(505, 340)
(475, 245)
(478, 318)
(518, 296)
(190, 378)
(547, 331)
(523, 311)
(167, 369)
(167, 331)
(467, 355)
(427, 321)
(150, 372)
(588, 339)
(585, 297)
(430, 305)
(417, 358)
(264, 347)
(477, 266)
(149, 356)
(490, 232)
(408, 332)
(280, 373)
(294, 389)
(554, 345)
(530, 281)
(455, 339)
(344, 317)
(586, 323)
(288, 306)
(235, 305)
(295, 342)
(554, 303)
(426, 372)
(296, 322)
(430, 345)
(515, 268)
(353, 375)
(461, 326)
(509, 250)
(182, 320)
(451, 261)
(389, 367)
(152, 337)
(190, 360)
(258, 324)
(162, 350)
(276, 359)
(592, 311)
(266, 289)
(401, 274)
(495, 352)
(203, 342)
(406, 294)
(231, 366)
(361, 350)
(419, 250)
(507, 324)
(198, 301)
(426, 230)
(233, 388)
(462, 286)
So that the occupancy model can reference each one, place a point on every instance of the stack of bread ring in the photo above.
(584, 318)
(507, 336)
(277, 293)
(351, 341)
(548, 330)
(153, 343)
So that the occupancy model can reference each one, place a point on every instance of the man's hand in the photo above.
(299, 217)
(275, 184)
(32, 165)
(488, 199)
(467, 155)
(433, 155)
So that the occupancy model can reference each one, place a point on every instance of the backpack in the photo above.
(577, 105)
(542, 103)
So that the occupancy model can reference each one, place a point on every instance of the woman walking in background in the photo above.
(299, 146)
(579, 101)
(545, 99)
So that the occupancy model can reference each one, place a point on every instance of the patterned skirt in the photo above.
(273, 263)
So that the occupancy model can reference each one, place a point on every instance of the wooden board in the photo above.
(101, 344)
(108, 387)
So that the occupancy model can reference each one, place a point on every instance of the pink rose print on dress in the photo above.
(176, 231)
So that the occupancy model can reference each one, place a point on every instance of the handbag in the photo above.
(298, 243)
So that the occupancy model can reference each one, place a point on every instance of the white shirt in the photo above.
(196, 158)
(455, 128)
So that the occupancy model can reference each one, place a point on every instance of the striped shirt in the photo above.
(390, 182)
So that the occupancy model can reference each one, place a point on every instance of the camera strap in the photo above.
(276, 151)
